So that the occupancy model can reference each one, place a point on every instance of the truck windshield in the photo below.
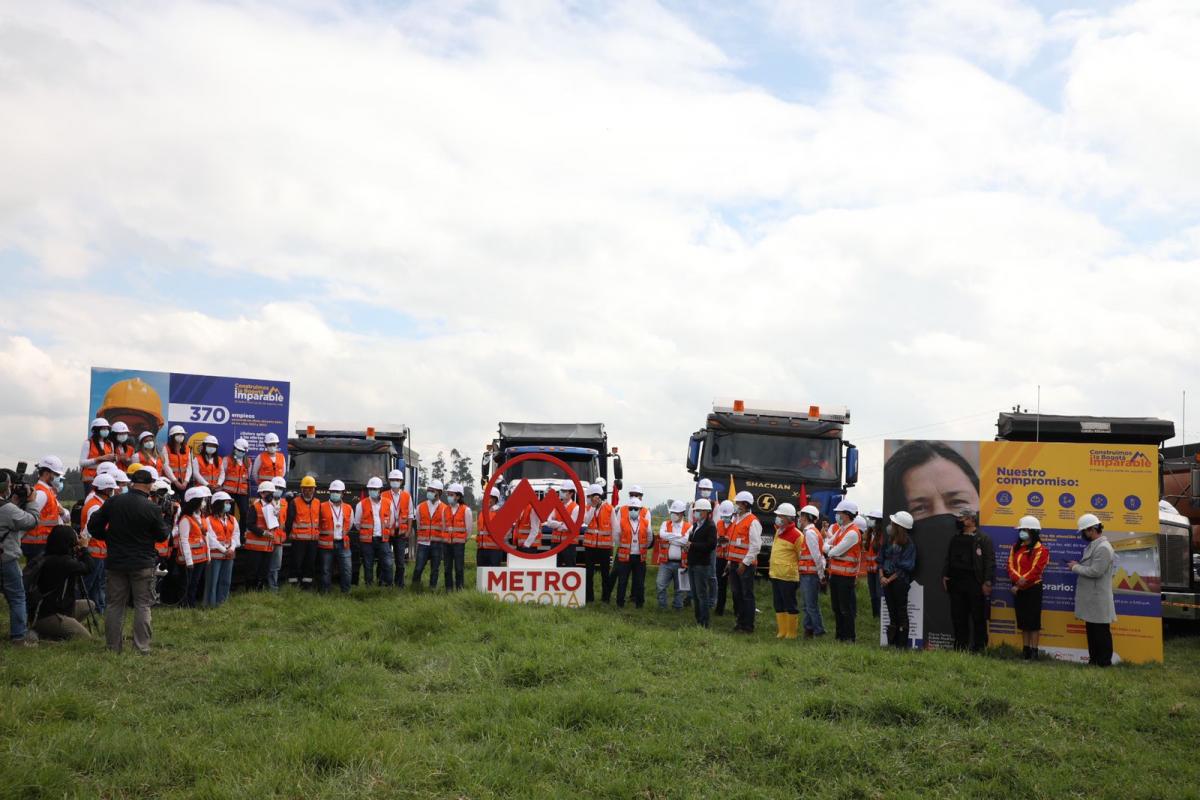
(815, 459)
(586, 469)
(352, 468)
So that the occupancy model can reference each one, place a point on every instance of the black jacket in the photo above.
(983, 558)
(130, 524)
(701, 543)
(57, 585)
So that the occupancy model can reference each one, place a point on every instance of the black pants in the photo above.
(845, 605)
(304, 562)
(634, 568)
(783, 594)
(597, 559)
(260, 565)
(242, 503)
(742, 589)
(1099, 641)
(968, 614)
(487, 557)
(456, 554)
(195, 577)
(896, 595)
(722, 587)
(567, 558)
(399, 556)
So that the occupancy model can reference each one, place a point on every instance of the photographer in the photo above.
(14, 520)
(62, 609)
(130, 524)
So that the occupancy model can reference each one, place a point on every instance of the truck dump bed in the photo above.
(518, 433)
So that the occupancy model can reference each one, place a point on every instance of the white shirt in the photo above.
(848, 541)
(673, 534)
(254, 481)
(185, 544)
(235, 540)
(635, 524)
(751, 558)
(812, 541)
(185, 477)
(377, 523)
(84, 461)
(337, 513)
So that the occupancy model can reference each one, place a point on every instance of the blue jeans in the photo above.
(712, 582)
(668, 574)
(702, 585)
(342, 554)
(400, 556)
(216, 584)
(456, 555)
(430, 554)
(377, 549)
(273, 570)
(93, 584)
(14, 593)
(810, 590)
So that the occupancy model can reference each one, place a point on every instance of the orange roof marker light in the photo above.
(814, 412)
(792, 411)
(739, 406)
(371, 432)
(310, 431)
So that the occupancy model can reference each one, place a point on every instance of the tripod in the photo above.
(93, 623)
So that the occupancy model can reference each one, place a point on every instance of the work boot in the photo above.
(1027, 653)
(892, 632)
(808, 633)
(781, 626)
(793, 628)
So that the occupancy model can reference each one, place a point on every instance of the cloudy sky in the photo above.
(450, 213)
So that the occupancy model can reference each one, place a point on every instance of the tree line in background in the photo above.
(457, 470)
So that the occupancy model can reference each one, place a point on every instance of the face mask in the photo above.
(124, 490)
(272, 448)
(335, 497)
(178, 438)
(103, 434)
(705, 493)
(1023, 536)
(780, 522)
(58, 483)
(212, 451)
(698, 516)
(373, 494)
(564, 497)
(676, 517)
(431, 496)
(122, 437)
(148, 445)
(395, 484)
(239, 453)
(452, 500)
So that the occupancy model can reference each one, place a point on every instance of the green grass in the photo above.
(417, 694)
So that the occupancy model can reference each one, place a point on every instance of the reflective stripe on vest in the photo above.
(178, 462)
(306, 525)
(722, 549)
(483, 539)
(125, 454)
(209, 471)
(281, 511)
(366, 522)
(662, 548)
(557, 536)
(188, 526)
(223, 530)
(804, 558)
(237, 476)
(847, 563)
(47, 519)
(270, 466)
(152, 461)
(329, 520)
(259, 542)
(97, 548)
(88, 474)
(430, 523)
(599, 526)
(456, 524)
(739, 538)
(625, 545)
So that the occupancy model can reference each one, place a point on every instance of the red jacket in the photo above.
(1026, 566)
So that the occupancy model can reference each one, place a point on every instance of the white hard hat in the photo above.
(455, 488)
(99, 422)
(1164, 505)
(337, 486)
(725, 509)
(222, 495)
(106, 467)
(266, 486)
(176, 429)
(1029, 524)
(271, 438)
(1087, 521)
(678, 507)
(744, 497)
(812, 511)
(848, 506)
(194, 493)
(210, 439)
(120, 427)
(634, 502)
(874, 515)
(104, 481)
(704, 483)
(122, 477)
(436, 485)
(786, 510)
(635, 489)
(595, 489)
(374, 483)
(279, 481)
(861, 522)
(241, 444)
(145, 435)
(566, 486)
(395, 475)
(160, 483)
(52, 463)
(903, 519)
(702, 505)
(495, 492)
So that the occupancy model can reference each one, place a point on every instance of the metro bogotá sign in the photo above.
(507, 519)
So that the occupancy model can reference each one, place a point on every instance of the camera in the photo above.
(16, 483)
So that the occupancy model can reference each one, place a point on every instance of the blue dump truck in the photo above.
(777, 453)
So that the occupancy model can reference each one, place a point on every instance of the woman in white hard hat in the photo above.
(270, 463)
(148, 454)
(334, 540)
(207, 466)
(1094, 602)
(597, 544)
(193, 541)
(897, 564)
(811, 566)
(234, 479)
(670, 555)
(177, 459)
(97, 449)
(701, 546)
(842, 553)
(123, 446)
(459, 521)
(224, 537)
(1026, 562)
(722, 522)
(281, 512)
(873, 538)
(744, 540)
(785, 572)
(260, 535)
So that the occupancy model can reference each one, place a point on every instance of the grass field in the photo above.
(418, 694)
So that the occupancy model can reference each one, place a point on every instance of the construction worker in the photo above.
(206, 466)
(431, 524)
(302, 527)
(147, 453)
(97, 449)
(234, 479)
(744, 539)
(631, 530)
(487, 552)
(333, 540)
(103, 487)
(123, 446)
(177, 458)
(843, 551)
(597, 544)
(459, 521)
(559, 532)
(260, 535)
(192, 554)
(43, 504)
(873, 537)
(724, 519)
(282, 501)
(1094, 602)
(670, 555)
(811, 567)
(224, 538)
(270, 463)
(1026, 562)
(967, 575)
(898, 566)
(784, 571)
(374, 535)
(401, 513)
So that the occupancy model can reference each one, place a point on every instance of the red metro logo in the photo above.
(508, 517)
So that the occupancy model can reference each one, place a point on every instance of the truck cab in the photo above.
(350, 453)
(778, 452)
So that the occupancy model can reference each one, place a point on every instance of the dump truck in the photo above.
(780, 453)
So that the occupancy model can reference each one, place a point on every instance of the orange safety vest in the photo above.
(307, 523)
(223, 530)
(366, 522)
(46, 520)
(237, 476)
(599, 530)
(738, 534)
(178, 462)
(125, 453)
(210, 471)
(88, 474)
(846, 564)
(722, 549)
(456, 524)
(804, 558)
(197, 541)
(625, 544)
(557, 536)
(97, 548)
(270, 467)
(163, 548)
(662, 549)
(344, 515)
(259, 543)
(483, 539)
(866, 564)
(400, 507)
(281, 534)
(151, 461)
(431, 524)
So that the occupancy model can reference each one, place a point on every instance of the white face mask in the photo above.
(373, 494)
(148, 444)
(395, 484)
(698, 516)
(335, 497)
(271, 448)
(564, 497)
(124, 490)
(178, 438)
(57, 483)
(676, 517)
(122, 437)
(781, 522)
(103, 433)
(212, 451)
(705, 494)
(431, 496)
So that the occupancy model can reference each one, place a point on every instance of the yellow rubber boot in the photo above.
(793, 627)
(780, 626)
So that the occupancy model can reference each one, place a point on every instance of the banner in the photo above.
(228, 408)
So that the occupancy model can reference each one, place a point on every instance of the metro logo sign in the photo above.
(523, 499)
